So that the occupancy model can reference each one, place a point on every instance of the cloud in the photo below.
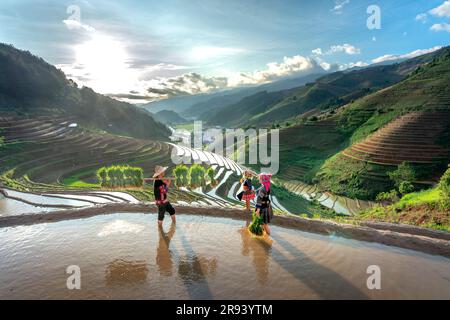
(422, 17)
(72, 24)
(186, 84)
(317, 52)
(440, 27)
(290, 66)
(442, 11)
(339, 6)
(413, 54)
(347, 48)
(341, 48)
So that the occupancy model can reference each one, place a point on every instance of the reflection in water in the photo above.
(208, 259)
(164, 255)
(196, 268)
(261, 248)
(121, 272)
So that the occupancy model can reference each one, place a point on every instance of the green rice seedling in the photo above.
(256, 226)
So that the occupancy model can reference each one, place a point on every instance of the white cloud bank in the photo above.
(413, 54)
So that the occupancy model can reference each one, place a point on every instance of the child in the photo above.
(263, 206)
(248, 193)
(161, 188)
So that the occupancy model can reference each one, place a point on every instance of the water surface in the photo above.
(128, 256)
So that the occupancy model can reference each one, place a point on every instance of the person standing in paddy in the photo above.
(263, 206)
(161, 188)
(246, 192)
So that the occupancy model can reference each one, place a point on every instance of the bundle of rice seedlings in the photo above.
(256, 226)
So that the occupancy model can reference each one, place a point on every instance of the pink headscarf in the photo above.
(265, 180)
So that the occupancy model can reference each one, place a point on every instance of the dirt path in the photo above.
(429, 241)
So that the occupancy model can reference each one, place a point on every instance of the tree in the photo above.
(444, 184)
(404, 173)
(406, 187)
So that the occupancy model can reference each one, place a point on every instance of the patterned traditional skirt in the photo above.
(248, 195)
(266, 214)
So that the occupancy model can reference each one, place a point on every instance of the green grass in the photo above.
(75, 180)
(420, 198)
(427, 209)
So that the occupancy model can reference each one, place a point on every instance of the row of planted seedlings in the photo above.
(122, 176)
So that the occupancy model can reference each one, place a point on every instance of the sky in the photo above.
(140, 51)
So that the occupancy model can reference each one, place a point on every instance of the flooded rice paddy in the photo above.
(128, 256)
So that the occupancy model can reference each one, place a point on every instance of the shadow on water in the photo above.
(325, 282)
(194, 269)
(163, 253)
(261, 251)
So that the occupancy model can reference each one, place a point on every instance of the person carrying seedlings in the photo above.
(161, 188)
(263, 207)
(246, 192)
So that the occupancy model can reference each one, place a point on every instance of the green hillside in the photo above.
(328, 92)
(339, 150)
(426, 91)
(29, 86)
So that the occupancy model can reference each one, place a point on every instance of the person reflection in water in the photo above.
(260, 249)
(163, 254)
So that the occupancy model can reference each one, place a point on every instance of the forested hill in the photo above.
(30, 86)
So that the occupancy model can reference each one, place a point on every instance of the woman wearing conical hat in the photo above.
(161, 189)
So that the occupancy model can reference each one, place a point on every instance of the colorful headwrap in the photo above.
(265, 180)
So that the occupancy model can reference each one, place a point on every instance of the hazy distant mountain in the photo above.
(31, 86)
(192, 106)
(169, 117)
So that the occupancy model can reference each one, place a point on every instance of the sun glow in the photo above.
(102, 63)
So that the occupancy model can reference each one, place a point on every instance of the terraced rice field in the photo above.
(45, 151)
(304, 148)
(407, 139)
(42, 154)
(342, 205)
(228, 172)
